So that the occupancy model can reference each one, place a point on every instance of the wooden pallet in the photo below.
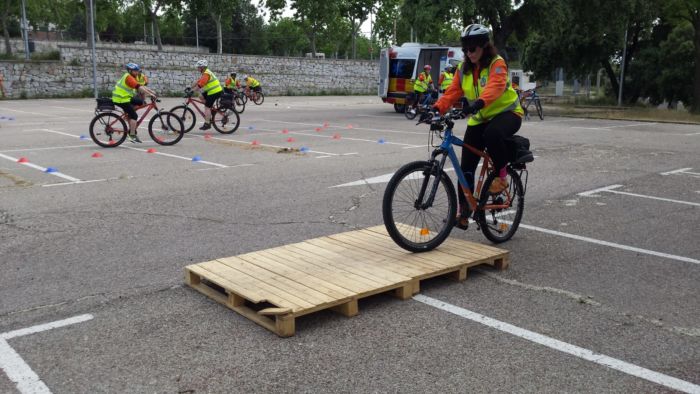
(273, 287)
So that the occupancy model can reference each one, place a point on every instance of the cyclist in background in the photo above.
(211, 90)
(231, 84)
(142, 80)
(483, 79)
(446, 78)
(423, 84)
(252, 83)
(124, 96)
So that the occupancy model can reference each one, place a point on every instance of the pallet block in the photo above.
(273, 287)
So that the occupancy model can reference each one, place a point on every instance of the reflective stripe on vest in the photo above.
(508, 101)
(121, 92)
(446, 80)
(213, 86)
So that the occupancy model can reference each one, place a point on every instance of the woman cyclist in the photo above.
(496, 113)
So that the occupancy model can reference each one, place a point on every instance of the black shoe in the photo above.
(462, 222)
(206, 126)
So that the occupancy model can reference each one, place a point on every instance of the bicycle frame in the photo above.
(446, 150)
(125, 116)
(194, 102)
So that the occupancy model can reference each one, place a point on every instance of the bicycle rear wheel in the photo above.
(259, 98)
(108, 129)
(539, 109)
(411, 225)
(186, 115)
(499, 225)
(226, 120)
(239, 104)
(166, 128)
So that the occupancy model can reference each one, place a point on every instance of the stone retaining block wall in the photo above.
(48, 46)
(172, 72)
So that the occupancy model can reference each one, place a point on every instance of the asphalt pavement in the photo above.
(602, 294)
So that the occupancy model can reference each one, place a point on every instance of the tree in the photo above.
(9, 7)
(313, 15)
(689, 10)
(356, 11)
(285, 37)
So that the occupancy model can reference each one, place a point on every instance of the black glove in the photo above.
(474, 107)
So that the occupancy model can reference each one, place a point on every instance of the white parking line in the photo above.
(341, 127)
(610, 189)
(555, 344)
(611, 244)
(676, 171)
(19, 372)
(38, 149)
(353, 139)
(40, 168)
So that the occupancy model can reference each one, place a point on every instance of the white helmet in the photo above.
(202, 63)
(475, 35)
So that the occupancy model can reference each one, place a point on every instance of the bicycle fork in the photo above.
(435, 169)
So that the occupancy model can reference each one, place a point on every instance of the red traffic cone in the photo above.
(23, 160)
(290, 139)
(97, 154)
(336, 136)
(285, 131)
(255, 142)
(151, 150)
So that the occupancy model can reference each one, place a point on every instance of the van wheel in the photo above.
(400, 108)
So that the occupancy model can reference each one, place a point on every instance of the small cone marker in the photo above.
(251, 127)
(97, 154)
(381, 141)
(207, 136)
(325, 124)
(303, 149)
(111, 142)
(349, 126)
(290, 139)
(23, 160)
(151, 150)
(318, 129)
(285, 131)
(255, 143)
(336, 136)
(197, 158)
(51, 170)
(83, 137)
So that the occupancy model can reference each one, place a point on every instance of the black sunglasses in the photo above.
(472, 49)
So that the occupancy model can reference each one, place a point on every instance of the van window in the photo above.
(401, 68)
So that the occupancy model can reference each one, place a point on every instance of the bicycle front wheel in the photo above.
(108, 129)
(419, 226)
(500, 224)
(539, 109)
(226, 120)
(259, 98)
(411, 112)
(186, 115)
(239, 104)
(166, 128)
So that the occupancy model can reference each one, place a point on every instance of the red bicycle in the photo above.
(109, 127)
(224, 118)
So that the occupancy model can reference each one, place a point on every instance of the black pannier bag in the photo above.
(518, 149)
(226, 100)
(104, 104)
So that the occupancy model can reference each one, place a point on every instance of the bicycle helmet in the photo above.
(202, 63)
(427, 67)
(475, 35)
(133, 67)
(233, 75)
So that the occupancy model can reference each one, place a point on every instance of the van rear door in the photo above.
(433, 57)
(383, 85)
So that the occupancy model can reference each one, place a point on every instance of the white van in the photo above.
(399, 66)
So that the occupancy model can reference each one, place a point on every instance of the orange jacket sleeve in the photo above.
(203, 80)
(451, 95)
(498, 78)
(131, 82)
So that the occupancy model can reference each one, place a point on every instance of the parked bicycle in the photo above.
(109, 127)
(530, 97)
(420, 202)
(224, 118)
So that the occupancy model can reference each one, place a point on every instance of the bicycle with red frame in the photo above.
(420, 202)
(255, 96)
(225, 119)
(109, 128)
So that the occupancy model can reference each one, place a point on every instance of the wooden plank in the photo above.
(337, 278)
(263, 260)
(336, 262)
(348, 309)
(213, 276)
(274, 311)
(272, 294)
(436, 258)
(302, 292)
(372, 270)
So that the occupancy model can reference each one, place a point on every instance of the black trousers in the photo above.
(489, 135)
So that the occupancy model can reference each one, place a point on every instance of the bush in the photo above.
(53, 55)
